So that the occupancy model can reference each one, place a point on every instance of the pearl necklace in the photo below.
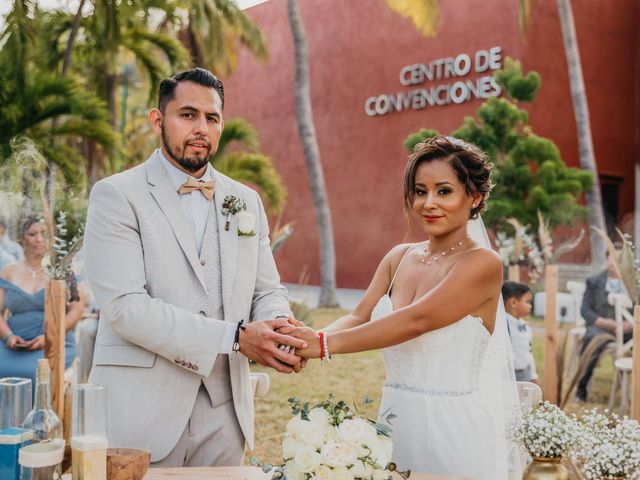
(36, 272)
(427, 252)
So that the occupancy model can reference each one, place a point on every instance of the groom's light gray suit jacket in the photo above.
(155, 343)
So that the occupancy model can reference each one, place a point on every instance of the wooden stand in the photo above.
(550, 335)
(54, 332)
(635, 371)
(514, 273)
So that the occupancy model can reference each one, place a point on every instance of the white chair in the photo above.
(622, 378)
(576, 334)
(529, 394)
(260, 383)
(622, 365)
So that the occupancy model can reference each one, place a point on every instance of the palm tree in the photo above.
(111, 34)
(214, 29)
(424, 14)
(249, 167)
(30, 98)
(583, 123)
(306, 127)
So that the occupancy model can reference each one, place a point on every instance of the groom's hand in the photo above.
(259, 342)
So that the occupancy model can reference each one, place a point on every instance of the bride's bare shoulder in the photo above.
(482, 260)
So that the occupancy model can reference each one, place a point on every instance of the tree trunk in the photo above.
(306, 127)
(583, 126)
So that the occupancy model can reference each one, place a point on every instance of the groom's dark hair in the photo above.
(166, 91)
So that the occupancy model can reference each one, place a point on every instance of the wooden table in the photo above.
(239, 473)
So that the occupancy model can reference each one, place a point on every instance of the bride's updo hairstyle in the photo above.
(472, 167)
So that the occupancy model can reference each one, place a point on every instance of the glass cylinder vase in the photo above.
(15, 404)
(89, 433)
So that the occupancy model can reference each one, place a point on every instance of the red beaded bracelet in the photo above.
(321, 338)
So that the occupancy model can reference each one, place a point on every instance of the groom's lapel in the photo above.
(164, 192)
(228, 239)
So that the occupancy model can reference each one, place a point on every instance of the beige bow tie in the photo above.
(206, 188)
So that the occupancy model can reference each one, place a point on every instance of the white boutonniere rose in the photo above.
(246, 224)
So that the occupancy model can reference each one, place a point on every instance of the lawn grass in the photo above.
(352, 377)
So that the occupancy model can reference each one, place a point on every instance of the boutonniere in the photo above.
(233, 205)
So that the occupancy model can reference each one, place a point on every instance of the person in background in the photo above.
(517, 303)
(22, 301)
(599, 316)
(10, 251)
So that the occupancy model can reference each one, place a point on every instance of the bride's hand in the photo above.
(309, 335)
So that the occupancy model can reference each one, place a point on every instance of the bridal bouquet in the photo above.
(546, 431)
(608, 446)
(331, 442)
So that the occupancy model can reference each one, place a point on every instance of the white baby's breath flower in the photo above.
(379, 474)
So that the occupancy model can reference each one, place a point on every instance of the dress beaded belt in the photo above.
(424, 391)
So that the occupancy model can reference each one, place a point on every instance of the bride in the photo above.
(434, 308)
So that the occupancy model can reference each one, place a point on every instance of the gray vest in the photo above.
(218, 384)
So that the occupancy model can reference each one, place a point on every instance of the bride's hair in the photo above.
(472, 167)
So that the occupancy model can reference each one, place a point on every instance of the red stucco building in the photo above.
(358, 50)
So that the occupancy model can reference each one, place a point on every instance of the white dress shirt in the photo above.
(196, 210)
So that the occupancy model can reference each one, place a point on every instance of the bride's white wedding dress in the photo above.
(444, 423)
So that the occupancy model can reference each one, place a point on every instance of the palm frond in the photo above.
(425, 14)
(258, 170)
(239, 130)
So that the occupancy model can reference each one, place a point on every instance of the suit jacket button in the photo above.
(195, 368)
(203, 313)
(203, 262)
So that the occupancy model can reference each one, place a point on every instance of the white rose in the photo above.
(307, 459)
(357, 432)
(339, 454)
(319, 415)
(323, 473)
(342, 473)
(359, 470)
(246, 222)
(381, 451)
(290, 447)
(312, 433)
(380, 475)
(292, 472)
(295, 425)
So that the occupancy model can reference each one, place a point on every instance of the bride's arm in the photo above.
(472, 281)
(377, 288)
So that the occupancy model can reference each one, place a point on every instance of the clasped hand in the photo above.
(260, 342)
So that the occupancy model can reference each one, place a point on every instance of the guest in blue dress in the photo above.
(22, 308)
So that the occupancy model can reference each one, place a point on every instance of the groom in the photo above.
(187, 293)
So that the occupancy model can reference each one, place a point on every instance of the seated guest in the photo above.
(10, 251)
(22, 301)
(517, 304)
(599, 317)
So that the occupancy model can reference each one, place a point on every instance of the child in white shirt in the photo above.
(517, 303)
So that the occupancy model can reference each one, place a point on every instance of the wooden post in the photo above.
(54, 332)
(635, 372)
(550, 334)
(514, 273)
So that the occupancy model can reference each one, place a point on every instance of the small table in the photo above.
(239, 473)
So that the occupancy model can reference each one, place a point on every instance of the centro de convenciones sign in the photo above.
(441, 94)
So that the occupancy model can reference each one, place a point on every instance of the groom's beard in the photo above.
(191, 164)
